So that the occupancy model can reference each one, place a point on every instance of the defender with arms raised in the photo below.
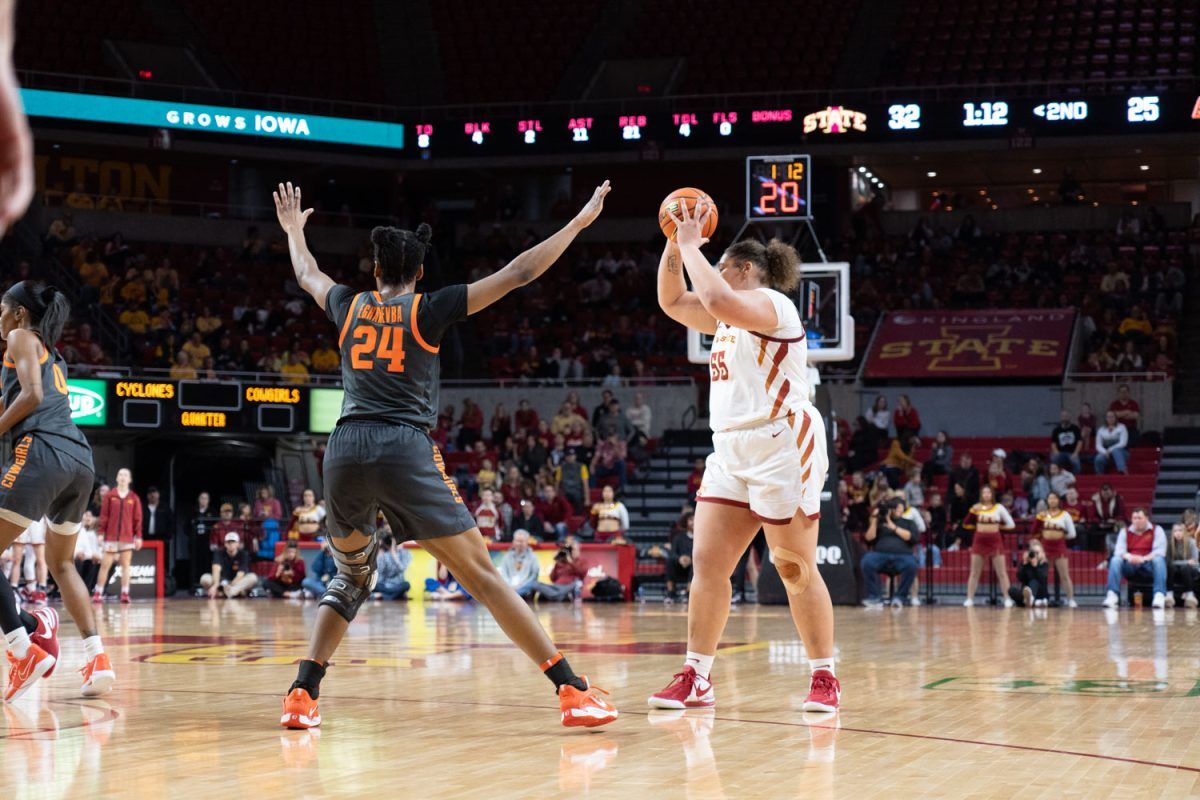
(380, 456)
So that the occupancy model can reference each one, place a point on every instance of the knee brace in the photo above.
(342, 594)
(793, 570)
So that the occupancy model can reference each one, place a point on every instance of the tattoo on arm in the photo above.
(673, 264)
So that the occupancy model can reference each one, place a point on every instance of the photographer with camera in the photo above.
(568, 574)
(1033, 577)
(893, 537)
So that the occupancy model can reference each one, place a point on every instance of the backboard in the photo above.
(823, 298)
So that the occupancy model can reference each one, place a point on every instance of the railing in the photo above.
(120, 204)
(334, 380)
(1117, 377)
(693, 102)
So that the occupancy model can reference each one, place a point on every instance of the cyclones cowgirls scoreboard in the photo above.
(193, 405)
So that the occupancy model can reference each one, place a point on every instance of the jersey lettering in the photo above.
(369, 347)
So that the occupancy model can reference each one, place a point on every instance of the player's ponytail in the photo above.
(400, 253)
(779, 262)
(48, 308)
(783, 266)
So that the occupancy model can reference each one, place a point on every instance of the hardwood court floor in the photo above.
(430, 701)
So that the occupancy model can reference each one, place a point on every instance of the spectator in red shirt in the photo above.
(906, 419)
(120, 532)
(288, 575)
(609, 460)
(569, 573)
(510, 490)
(470, 424)
(267, 505)
(224, 525)
(554, 509)
(998, 476)
(489, 516)
(525, 419)
(1127, 410)
(695, 479)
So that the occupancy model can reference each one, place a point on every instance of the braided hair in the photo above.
(400, 253)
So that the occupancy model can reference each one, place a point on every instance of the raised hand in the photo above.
(689, 226)
(587, 215)
(288, 208)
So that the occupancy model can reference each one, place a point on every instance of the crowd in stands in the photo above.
(526, 480)
(194, 311)
(596, 315)
(907, 501)
(1128, 284)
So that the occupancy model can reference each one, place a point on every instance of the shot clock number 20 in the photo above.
(777, 187)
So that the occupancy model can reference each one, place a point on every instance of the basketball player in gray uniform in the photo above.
(380, 457)
(50, 474)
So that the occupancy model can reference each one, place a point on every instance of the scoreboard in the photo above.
(190, 405)
(790, 121)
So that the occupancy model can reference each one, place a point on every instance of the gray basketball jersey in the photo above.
(390, 365)
(51, 420)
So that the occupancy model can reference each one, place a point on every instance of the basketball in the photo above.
(689, 197)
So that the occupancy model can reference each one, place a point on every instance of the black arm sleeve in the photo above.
(441, 309)
(337, 303)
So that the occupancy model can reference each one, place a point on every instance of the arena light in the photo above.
(1144, 167)
(211, 119)
(931, 174)
(1037, 170)
(862, 169)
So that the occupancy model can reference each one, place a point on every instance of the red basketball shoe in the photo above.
(686, 690)
(46, 635)
(824, 692)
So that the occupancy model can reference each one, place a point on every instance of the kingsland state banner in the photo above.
(212, 119)
(965, 345)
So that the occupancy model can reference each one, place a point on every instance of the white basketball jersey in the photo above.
(759, 376)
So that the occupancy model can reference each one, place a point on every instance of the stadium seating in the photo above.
(754, 45)
(68, 37)
(989, 41)
(330, 50)
(508, 50)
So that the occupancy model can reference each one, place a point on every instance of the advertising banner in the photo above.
(963, 345)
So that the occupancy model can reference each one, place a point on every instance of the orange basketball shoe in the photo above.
(23, 673)
(584, 708)
(300, 711)
(98, 676)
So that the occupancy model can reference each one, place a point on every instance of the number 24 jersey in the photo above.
(391, 369)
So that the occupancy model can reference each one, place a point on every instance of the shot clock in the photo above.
(777, 187)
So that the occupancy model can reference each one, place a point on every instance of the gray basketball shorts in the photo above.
(397, 469)
(41, 481)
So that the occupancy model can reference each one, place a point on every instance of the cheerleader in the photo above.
(1055, 527)
(987, 518)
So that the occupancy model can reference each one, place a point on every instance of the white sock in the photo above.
(18, 642)
(822, 663)
(699, 662)
(92, 647)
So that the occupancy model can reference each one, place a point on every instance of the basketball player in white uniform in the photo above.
(770, 457)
